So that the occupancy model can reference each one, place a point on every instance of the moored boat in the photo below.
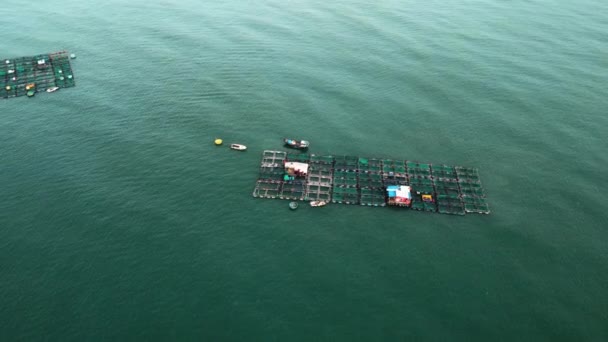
(52, 89)
(317, 203)
(299, 144)
(238, 147)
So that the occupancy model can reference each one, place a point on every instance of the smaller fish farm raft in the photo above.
(35, 74)
(375, 182)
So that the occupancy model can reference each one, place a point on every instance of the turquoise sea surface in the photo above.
(120, 220)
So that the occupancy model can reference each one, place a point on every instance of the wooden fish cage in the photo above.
(357, 180)
(35, 74)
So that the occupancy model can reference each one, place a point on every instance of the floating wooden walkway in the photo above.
(355, 180)
(44, 71)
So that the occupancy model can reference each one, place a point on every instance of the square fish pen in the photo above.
(320, 178)
(371, 182)
(270, 175)
(394, 172)
(472, 193)
(346, 180)
(447, 190)
(438, 188)
(35, 73)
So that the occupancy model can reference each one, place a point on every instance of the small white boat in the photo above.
(317, 203)
(238, 147)
(52, 89)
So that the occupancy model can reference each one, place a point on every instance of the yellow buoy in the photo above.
(218, 142)
(8, 87)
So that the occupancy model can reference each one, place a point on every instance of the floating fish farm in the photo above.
(28, 75)
(374, 182)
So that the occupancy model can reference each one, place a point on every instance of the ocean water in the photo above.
(120, 220)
